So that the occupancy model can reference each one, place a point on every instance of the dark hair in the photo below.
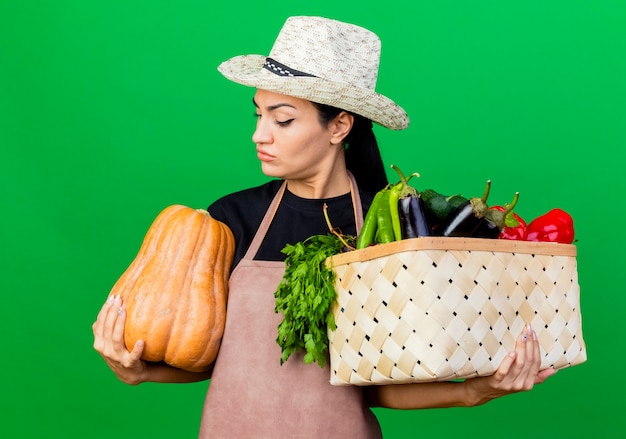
(363, 157)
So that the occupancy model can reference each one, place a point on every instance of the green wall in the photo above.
(110, 111)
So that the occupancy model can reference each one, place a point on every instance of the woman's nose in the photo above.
(262, 133)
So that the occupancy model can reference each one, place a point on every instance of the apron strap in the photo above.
(265, 224)
(273, 207)
(356, 203)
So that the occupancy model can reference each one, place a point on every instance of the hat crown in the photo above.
(329, 49)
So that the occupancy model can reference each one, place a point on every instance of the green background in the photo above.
(110, 111)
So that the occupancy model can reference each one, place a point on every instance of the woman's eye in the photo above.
(280, 123)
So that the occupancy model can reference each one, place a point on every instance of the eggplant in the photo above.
(494, 221)
(413, 218)
(486, 229)
(465, 219)
(412, 221)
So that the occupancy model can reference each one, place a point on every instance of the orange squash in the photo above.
(175, 289)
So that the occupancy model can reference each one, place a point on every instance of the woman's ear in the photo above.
(340, 127)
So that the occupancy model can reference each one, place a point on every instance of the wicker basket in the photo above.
(436, 309)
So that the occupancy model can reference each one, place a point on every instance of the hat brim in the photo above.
(248, 70)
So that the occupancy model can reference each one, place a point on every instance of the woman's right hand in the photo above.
(108, 332)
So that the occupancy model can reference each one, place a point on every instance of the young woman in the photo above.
(315, 103)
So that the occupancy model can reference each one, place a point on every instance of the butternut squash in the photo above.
(175, 290)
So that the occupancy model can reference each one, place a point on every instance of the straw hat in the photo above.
(324, 61)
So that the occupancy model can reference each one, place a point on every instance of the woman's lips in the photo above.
(263, 156)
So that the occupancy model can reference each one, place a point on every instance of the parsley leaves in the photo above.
(305, 295)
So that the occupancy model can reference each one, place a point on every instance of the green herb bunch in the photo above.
(305, 295)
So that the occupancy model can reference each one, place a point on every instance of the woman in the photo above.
(315, 103)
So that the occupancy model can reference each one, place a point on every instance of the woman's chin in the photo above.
(269, 171)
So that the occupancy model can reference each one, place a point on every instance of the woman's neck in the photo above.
(329, 185)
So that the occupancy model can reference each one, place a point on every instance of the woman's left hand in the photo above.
(519, 371)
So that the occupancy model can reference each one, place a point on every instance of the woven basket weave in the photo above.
(435, 309)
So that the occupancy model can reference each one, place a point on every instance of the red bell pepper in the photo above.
(514, 226)
(553, 226)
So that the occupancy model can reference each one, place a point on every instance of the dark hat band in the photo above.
(282, 70)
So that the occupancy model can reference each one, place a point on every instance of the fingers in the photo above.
(98, 326)
(118, 339)
(108, 329)
(524, 347)
(135, 354)
(113, 304)
(118, 323)
(544, 374)
(513, 363)
(104, 316)
(505, 366)
(519, 369)
(531, 356)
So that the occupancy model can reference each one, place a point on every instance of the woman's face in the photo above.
(291, 142)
